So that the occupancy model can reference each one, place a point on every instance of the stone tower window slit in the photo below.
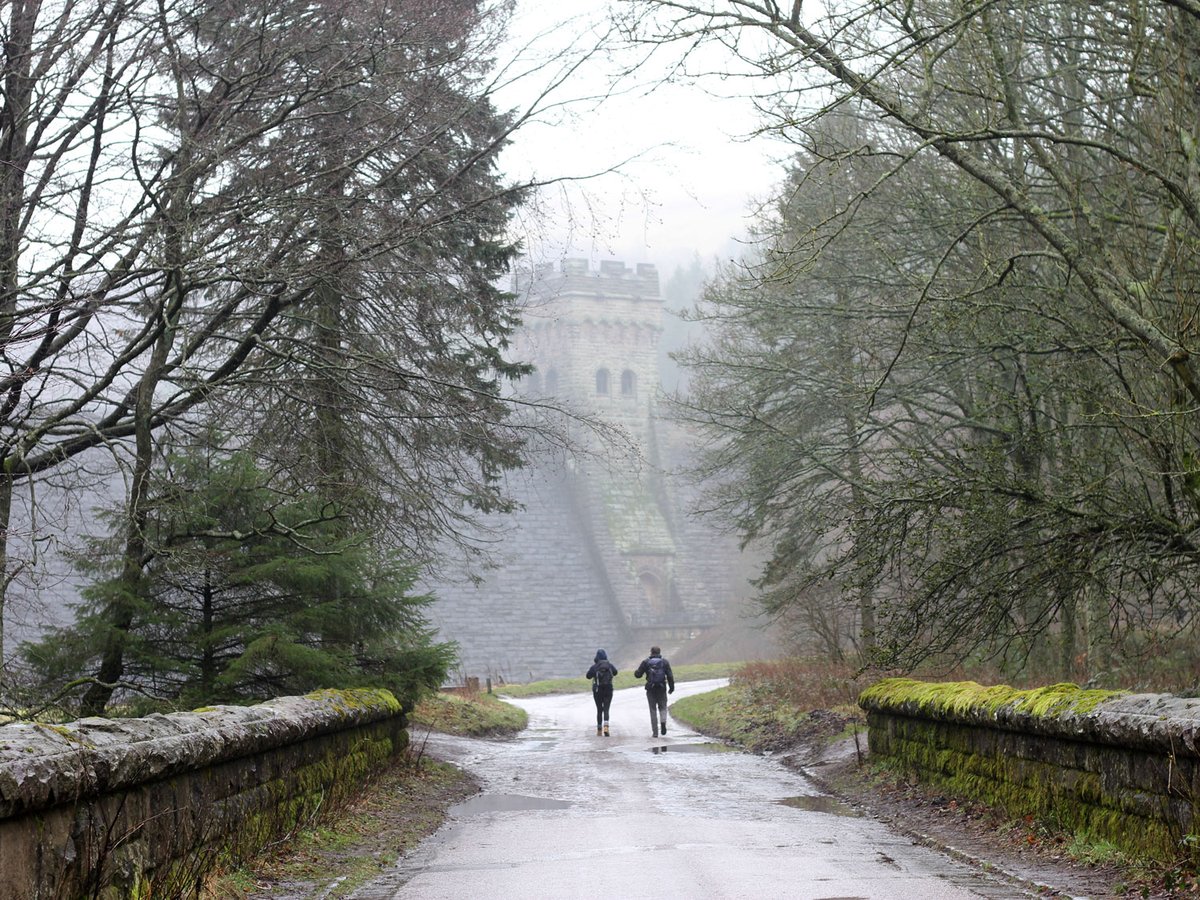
(628, 383)
(602, 382)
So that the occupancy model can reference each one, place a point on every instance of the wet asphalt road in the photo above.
(567, 814)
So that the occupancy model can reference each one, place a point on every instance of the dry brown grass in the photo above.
(804, 683)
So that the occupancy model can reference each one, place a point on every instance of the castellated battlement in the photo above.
(573, 294)
(612, 279)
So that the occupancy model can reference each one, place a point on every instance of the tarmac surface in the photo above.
(565, 814)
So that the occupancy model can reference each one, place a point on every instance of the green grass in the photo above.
(734, 714)
(1095, 851)
(624, 679)
(704, 712)
(472, 715)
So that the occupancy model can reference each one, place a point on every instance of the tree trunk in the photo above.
(208, 662)
(6, 493)
(1067, 643)
(122, 609)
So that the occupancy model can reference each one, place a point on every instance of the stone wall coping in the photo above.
(1159, 722)
(46, 765)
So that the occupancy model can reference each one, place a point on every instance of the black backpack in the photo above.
(656, 671)
(603, 673)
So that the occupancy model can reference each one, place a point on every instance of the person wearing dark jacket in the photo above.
(660, 681)
(602, 673)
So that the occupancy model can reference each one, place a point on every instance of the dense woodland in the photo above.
(248, 268)
(249, 257)
(954, 385)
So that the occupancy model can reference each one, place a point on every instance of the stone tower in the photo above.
(603, 552)
(593, 336)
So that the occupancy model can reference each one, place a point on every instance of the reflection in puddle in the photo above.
(485, 803)
(694, 748)
(820, 804)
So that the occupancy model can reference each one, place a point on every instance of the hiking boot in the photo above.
(655, 734)
(663, 728)
(598, 732)
(606, 729)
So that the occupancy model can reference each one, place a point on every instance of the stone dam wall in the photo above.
(117, 808)
(1121, 768)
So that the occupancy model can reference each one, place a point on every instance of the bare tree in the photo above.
(1062, 101)
(285, 218)
(1025, 413)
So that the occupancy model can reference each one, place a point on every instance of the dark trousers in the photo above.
(656, 696)
(603, 697)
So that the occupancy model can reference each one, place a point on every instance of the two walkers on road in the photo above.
(660, 681)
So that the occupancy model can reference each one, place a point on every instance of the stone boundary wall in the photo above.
(1122, 768)
(143, 807)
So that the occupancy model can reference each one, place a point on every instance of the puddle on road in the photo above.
(821, 804)
(541, 743)
(693, 748)
(485, 803)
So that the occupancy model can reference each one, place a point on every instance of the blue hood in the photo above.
(600, 654)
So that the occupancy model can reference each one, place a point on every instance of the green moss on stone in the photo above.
(1026, 788)
(358, 699)
(1000, 769)
(963, 697)
(67, 733)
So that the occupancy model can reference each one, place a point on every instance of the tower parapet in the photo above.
(618, 291)
(593, 333)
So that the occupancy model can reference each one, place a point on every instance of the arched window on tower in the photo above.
(628, 383)
(551, 382)
(602, 382)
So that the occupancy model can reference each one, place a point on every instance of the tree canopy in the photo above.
(955, 385)
(280, 223)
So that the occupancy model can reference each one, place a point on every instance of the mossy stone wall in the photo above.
(1121, 768)
(144, 807)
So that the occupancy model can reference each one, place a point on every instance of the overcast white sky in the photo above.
(691, 185)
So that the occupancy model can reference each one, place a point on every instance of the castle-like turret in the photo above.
(593, 335)
(602, 550)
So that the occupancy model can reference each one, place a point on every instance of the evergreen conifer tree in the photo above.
(249, 593)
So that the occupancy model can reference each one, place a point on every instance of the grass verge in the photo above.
(469, 714)
(775, 706)
(335, 856)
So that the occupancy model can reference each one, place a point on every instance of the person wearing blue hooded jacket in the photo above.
(602, 673)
